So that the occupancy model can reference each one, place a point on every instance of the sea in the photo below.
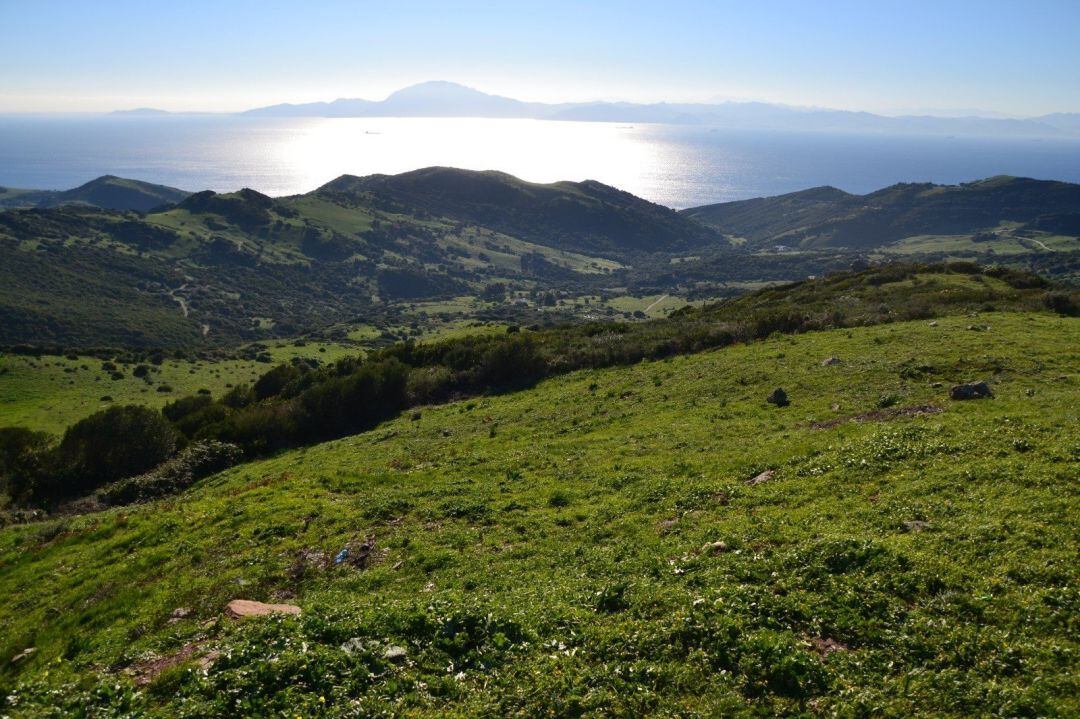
(675, 165)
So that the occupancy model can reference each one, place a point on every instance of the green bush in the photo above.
(190, 465)
(111, 444)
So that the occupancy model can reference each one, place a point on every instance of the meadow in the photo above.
(50, 392)
(654, 538)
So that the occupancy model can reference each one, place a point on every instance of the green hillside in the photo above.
(216, 269)
(213, 270)
(107, 192)
(825, 216)
(585, 217)
(594, 545)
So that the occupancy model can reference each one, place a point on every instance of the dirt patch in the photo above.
(881, 415)
(827, 645)
(146, 672)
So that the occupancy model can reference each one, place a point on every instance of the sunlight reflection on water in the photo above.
(675, 165)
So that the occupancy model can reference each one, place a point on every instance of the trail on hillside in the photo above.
(654, 304)
(180, 300)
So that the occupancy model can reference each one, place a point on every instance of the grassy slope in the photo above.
(918, 217)
(538, 553)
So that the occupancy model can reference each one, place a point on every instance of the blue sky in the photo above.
(1018, 58)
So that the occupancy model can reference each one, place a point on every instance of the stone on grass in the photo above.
(829, 361)
(717, 547)
(395, 653)
(23, 654)
(971, 390)
(761, 478)
(239, 608)
(778, 397)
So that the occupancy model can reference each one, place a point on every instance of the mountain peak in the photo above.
(436, 89)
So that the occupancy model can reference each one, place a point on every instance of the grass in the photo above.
(652, 305)
(542, 553)
(50, 392)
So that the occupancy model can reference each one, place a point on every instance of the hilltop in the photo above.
(587, 217)
(108, 192)
(213, 269)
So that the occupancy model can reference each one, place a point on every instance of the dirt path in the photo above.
(654, 304)
(180, 300)
(1041, 244)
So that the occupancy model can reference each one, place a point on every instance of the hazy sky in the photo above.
(1018, 57)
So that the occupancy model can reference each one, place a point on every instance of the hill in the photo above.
(826, 216)
(108, 192)
(587, 217)
(407, 255)
(650, 539)
(216, 269)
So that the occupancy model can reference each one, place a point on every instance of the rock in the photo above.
(23, 654)
(395, 653)
(447, 433)
(933, 323)
(179, 613)
(761, 478)
(353, 646)
(307, 562)
(916, 525)
(828, 362)
(714, 548)
(778, 397)
(239, 608)
(207, 660)
(971, 390)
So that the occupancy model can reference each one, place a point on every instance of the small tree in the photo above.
(112, 444)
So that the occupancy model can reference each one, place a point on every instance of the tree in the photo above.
(112, 444)
(272, 382)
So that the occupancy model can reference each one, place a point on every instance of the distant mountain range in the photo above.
(447, 99)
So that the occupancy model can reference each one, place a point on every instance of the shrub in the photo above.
(1064, 303)
(21, 452)
(427, 385)
(341, 405)
(190, 465)
(239, 396)
(111, 444)
(176, 411)
(271, 383)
